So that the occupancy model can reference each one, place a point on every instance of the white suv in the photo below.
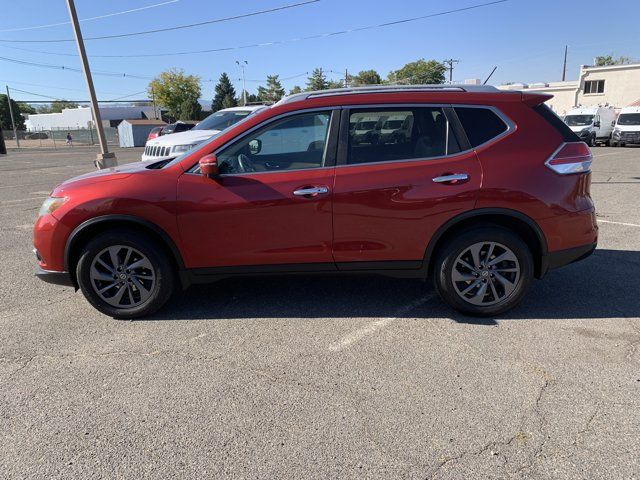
(170, 146)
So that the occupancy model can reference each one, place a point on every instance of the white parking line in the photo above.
(376, 325)
(619, 223)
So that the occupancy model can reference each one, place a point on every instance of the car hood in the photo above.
(105, 175)
(183, 138)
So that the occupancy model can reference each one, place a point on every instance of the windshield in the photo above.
(221, 120)
(393, 124)
(366, 125)
(629, 119)
(214, 136)
(578, 120)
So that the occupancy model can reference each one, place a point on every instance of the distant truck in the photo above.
(592, 124)
(627, 129)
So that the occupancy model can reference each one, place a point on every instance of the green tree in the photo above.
(295, 89)
(419, 72)
(365, 77)
(606, 60)
(225, 96)
(26, 109)
(174, 90)
(317, 80)
(251, 97)
(56, 106)
(190, 110)
(335, 84)
(273, 90)
(5, 117)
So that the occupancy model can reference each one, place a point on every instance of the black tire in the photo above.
(445, 260)
(164, 275)
(592, 141)
(613, 144)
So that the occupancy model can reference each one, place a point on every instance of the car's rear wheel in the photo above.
(124, 274)
(484, 271)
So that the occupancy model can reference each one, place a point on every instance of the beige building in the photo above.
(616, 85)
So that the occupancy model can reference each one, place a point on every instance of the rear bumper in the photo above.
(560, 258)
(56, 278)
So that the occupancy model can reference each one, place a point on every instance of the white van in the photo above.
(627, 129)
(397, 128)
(167, 147)
(592, 124)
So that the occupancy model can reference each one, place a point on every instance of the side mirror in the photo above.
(255, 146)
(597, 124)
(209, 166)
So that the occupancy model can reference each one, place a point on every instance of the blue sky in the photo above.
(525, 39)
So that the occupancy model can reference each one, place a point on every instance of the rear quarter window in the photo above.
(480, 124)
(556, 122)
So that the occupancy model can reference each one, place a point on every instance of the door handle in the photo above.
(310, 191)
(451, 178)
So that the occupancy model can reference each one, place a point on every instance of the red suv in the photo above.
(481, 190)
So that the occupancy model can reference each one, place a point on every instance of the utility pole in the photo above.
(105, 159)
(346, 78)
(13, 122)
(564, 64)
(241, 64)
(450, 62)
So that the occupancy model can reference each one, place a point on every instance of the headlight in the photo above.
(50, 205)
(181, 148)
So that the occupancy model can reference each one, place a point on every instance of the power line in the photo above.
(36, 94)
(99, 17)
(11, 82)
(179, 27)
(73, 69)
(291, 40)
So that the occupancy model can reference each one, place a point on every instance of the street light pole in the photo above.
(244, 85)
(13, 122)
(105, 159)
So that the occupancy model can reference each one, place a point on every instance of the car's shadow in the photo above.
(602, 286)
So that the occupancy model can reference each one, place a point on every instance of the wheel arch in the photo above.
(521, 224)
(94, 226)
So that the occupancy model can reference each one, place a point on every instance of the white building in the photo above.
(74, 118)
(615, 85)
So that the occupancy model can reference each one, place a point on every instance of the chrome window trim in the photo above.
(268, 121)
(511, 127)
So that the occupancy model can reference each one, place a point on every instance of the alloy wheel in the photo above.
(485, 273)
(122, 276)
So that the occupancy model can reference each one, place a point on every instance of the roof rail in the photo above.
(387, 89)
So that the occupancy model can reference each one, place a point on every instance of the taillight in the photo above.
(573, 157)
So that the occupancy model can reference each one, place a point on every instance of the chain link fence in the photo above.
(58, 138)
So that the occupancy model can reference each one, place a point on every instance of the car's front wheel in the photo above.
(124, 274)
(484, 271)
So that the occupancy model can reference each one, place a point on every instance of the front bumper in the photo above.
(627, 137)
(56, 278)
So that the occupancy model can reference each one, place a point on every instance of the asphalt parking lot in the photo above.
(322, 377)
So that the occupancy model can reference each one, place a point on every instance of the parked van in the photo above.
(397, 128)
(592, 124)
(367, 130)
(627, 129)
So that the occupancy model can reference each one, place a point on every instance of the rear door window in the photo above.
(480, 124)
(383, 135)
